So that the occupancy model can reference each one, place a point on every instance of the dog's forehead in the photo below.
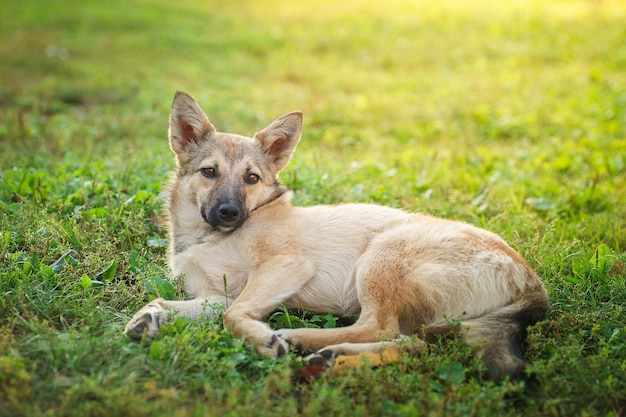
(233, 146)
(226, 148)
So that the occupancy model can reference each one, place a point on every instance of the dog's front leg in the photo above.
(268, 285)
(147, 321)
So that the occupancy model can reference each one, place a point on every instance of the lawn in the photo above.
(508, 115)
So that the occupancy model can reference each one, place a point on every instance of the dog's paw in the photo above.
(318, 364)
(277, 346)
(337, 360)
(325, 358)
(147, 321)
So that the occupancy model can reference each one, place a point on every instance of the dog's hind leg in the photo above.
(391, 304)
(147, 321)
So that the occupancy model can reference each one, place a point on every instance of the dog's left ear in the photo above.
(280, 138)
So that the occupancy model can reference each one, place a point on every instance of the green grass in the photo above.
(509, 115)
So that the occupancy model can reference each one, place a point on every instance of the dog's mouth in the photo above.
(224, 216)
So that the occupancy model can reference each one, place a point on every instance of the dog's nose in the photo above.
(228, 213)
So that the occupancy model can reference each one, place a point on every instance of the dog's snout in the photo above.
(224, 216)
(228, 213)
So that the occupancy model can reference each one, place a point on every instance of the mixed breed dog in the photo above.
(240, 244)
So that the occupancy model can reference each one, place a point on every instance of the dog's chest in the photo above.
(212, 269)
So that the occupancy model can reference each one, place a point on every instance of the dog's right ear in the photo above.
(188, 123)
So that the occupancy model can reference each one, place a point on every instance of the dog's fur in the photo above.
(238, 241)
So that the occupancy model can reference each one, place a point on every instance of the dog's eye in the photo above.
(252, 178)
(208, 172)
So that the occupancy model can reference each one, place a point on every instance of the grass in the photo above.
(509, 115)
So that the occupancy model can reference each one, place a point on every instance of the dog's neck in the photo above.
(281, 194)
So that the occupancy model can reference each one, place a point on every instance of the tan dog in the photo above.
(238, 242)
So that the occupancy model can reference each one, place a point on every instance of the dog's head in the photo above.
(226, 175)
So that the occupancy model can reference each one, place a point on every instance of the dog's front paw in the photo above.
(277, 346)
(147, 321)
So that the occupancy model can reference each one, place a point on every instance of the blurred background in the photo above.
(399, 69)
(392, 84)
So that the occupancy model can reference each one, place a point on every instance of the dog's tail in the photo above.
(497, 334)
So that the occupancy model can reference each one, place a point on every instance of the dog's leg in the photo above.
(363, 342)
(147, 321)
(268, 286)
(351, 355)
(362, 332)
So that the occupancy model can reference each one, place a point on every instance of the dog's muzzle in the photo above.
(224, 216)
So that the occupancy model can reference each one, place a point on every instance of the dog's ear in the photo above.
(280, 138)
(188, 123)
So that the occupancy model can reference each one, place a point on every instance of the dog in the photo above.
(240, 244)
